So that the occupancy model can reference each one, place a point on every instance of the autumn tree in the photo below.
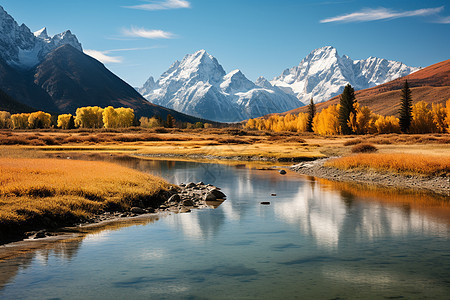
(327, 121)
(5, 119)
(347, 106)
(89, 117)
(150, 122)
(362, 121)
(422, 119)
(64, 121)
(405, 111)
(170, 122)
(311, 114)
(39, 119)
(20, 121)
(388, 124)
(447, 118)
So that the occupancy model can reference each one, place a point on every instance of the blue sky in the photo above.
(139, 38)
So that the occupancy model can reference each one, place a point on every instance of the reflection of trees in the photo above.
(339, 216)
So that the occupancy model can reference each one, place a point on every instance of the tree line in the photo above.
(91, 117)
(85, 117)
(348, 117)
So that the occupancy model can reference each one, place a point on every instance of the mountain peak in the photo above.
(263, 82)
(41, 33)
(323, 74)
(199, 86)
(23, 49)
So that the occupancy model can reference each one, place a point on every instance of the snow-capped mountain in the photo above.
(20, 47)
(199, 86)
(323, 74)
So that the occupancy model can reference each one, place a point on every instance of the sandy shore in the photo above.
(439, 185)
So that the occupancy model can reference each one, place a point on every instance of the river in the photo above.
(316, 240)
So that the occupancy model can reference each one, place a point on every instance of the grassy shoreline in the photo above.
(73, 190)
(37, 193)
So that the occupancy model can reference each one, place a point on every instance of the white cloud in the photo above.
(382, 14)
(148, 34)
(103, 56)
(444, 20)
(162, 5)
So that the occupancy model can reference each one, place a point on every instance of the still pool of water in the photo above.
(317, 240)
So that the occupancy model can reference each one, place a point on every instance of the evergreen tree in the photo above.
(347, 103)
(71, 123)
(311, 114)
(405, 108)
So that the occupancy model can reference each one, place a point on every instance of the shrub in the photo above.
(353, 142)
(364, 148)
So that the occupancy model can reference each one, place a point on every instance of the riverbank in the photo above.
(432, 184)
(39, 196)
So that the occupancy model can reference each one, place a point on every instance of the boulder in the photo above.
(210, 197)
(138, 210)
(174, 198)
(282, 172)
(218, 194)
(190, 185)
(188, 203)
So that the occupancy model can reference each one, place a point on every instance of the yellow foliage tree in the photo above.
(20, 121)
(388, 124)
(118, 117)
(439, 117)
(89, 117)
(39, 119)
(363, 122)
(277, 123)
(422, 119)
(447, 111)
(125, 117)
(150, 122)
(327, 121)
(5, 119)
(64, 121)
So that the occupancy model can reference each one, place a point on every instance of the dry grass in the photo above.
(219, 142)
(46, 192)
(399, 162)
(364, 148)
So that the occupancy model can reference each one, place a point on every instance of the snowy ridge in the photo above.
(21, 48)
(323, 74)
(199, 86)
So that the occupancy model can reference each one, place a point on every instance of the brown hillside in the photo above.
(431, 84)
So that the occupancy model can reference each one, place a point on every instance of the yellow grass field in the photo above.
(36, 192)
(429, 165)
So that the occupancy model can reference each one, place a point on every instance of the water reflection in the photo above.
(315, 234)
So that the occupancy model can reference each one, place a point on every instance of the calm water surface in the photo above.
(317, 240)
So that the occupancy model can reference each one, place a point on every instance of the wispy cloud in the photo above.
(147, 34)
(381, 14)
(162, 5)
(134, 49)
(443, 20)
(103, 56)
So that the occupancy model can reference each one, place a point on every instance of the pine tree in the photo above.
(71, 123)
(311, 114)
(405, 111)
(347, 106)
